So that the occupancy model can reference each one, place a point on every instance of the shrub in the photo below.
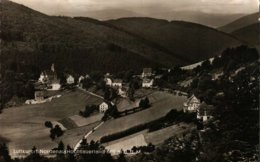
(48, 124)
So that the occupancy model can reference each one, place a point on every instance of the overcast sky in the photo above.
(82, 7)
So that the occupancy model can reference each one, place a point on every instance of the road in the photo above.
(86, 136)
(91, 93)
(90, 132)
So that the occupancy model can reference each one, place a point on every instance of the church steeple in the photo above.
(52, 68)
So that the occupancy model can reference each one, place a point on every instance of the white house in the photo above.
(80, 79)
(108, 81)
(204, 112)
(147, 72)
(192, 104)
(117, 83)
(104, 106)
(147, 83)
(70, 79)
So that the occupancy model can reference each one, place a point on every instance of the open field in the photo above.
(145, 137)
(24, 126)
(81, 121)
(72, 136)
(159, 136)
(161, 102)
(128, 144)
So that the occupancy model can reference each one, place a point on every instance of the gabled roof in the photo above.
(146, 80)
(107, 102)
(193, 98)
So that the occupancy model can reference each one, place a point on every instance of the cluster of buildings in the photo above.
(203, 111)
(48, 81)
(51, 80)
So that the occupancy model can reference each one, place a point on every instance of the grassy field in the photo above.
(161, 102)
(158, 137)
(145, 137)
(127, 144)
(81, 121)
(24, 126)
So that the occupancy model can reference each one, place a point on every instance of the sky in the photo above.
(83, 7)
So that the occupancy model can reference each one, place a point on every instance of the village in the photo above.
(130, 112)
(48, 81)
(118, 99)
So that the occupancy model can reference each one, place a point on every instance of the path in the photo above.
(91, 93)
(89, 133)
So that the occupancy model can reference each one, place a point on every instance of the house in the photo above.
(147, 83)
(49, 77)
(43, 78)
(104, 106)
(113, 82)
(80, 79)
(117, 83)
(192, 104)
(70, 79)
(204, 112)
(108, 82)
(147, 72)
(39, 95)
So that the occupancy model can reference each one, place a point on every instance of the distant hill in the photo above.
(240, 23)
(207, 19)
(189, 40)
(32, 39)
(250, 34)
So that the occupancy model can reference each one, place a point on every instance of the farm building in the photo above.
(192, 104)
(147, 72)
(70, 79)
(147, 83)
(205, 112)
(104, 106)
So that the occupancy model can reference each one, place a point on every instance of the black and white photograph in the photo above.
(129, 80)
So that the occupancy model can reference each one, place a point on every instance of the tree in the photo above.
(121, 157)
(70, 157)
(60, 151)
(48, 124)
(144, 103)
(4, 153)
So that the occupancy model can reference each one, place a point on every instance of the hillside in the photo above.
(189, 40)
(249, 34)
(33, 40)
(240, 23)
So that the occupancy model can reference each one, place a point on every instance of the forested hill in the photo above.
(190, 40)
(36, 40)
